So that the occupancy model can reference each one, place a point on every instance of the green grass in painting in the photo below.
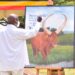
(58, 54)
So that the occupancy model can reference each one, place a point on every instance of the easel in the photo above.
(50, 70)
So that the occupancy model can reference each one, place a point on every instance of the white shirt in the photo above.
(13, 48)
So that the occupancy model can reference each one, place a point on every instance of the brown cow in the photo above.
(46, 40)
(43, 43)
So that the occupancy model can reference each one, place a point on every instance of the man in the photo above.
(13, 48)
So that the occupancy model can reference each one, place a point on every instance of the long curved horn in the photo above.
(60, 28)
(43, 24)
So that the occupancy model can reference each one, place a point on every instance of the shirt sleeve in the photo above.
(27, 33)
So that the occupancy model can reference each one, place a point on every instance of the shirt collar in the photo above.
(11, 26)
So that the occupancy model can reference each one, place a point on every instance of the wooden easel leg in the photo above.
(59, 72)
(37, 71)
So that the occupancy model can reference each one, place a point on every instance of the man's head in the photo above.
(39, 19)
(12, 19)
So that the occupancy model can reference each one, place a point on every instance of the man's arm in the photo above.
(27, 33)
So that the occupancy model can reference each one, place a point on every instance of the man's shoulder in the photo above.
(2, 28)
(19, 30)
